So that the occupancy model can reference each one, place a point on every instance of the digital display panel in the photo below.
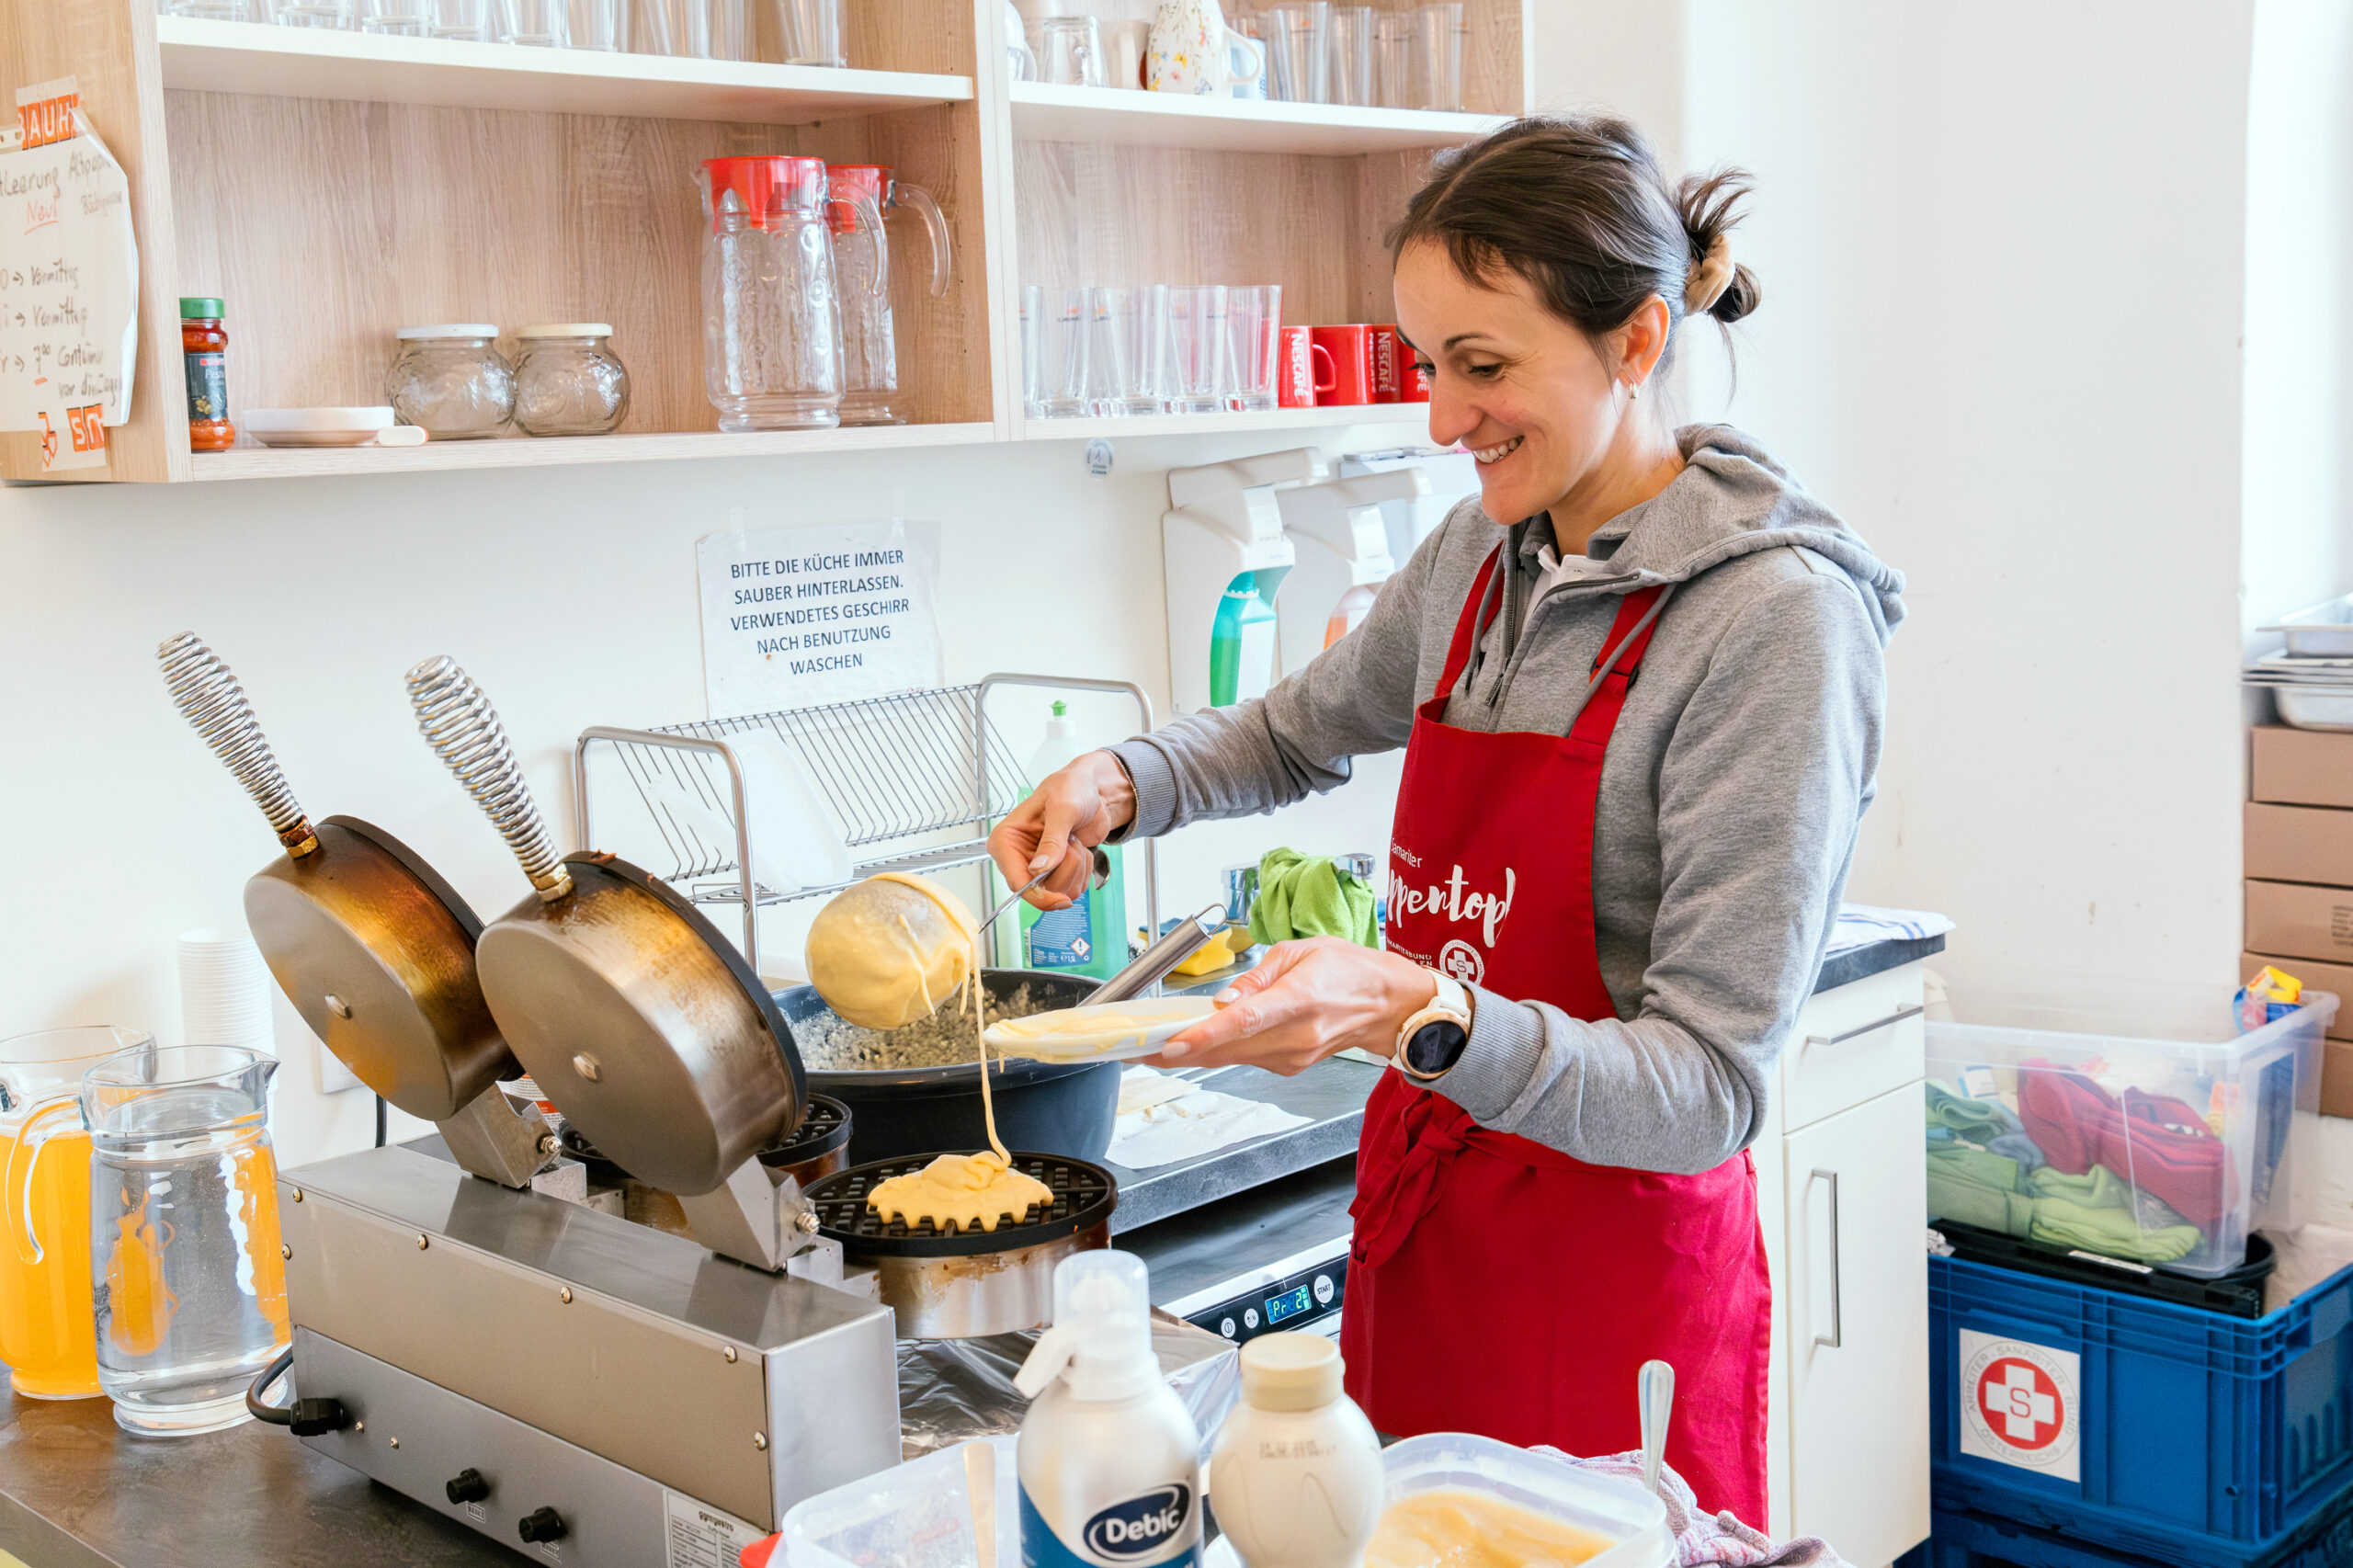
(1289, 1304)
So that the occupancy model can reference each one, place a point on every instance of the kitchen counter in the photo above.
(77, 1492)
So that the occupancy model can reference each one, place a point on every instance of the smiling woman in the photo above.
(1609, 895)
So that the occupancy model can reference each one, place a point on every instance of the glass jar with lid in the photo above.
(567, 379)
(452, 381)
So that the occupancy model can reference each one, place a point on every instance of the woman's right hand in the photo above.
(1059, 825)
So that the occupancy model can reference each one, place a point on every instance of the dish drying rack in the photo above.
(913, 781)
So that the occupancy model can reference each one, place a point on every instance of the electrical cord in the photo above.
(258, 1408)
(380, 1121)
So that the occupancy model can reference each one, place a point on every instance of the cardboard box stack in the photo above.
(2299, 878)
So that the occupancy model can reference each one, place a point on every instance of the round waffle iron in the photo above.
(956, 1284)
(818, 1147)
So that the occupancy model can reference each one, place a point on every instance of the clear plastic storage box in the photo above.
(2150, 1142)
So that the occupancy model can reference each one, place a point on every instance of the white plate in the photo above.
(316, 426)
(1162, 1017)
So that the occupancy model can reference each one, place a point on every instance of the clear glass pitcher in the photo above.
(187, 1281)
(771, 304)
(869, 350)
(46, 1336)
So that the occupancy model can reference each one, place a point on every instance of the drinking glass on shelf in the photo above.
(336, 14)
(1393, 59)
(1299, 51)
(1197, 348)
(541, 23)
(1351, 81)
(1064, 360)
(700, 30)
(1020, 59)
(396, 18)
(1125, 353)
(1074, 52)
(1254, 319)
(475, 22)
(1439, 32)
(209, 10)
(809, 32)
(1033, 350)
(600, 24)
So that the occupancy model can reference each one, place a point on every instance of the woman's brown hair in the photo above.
(1578, 206)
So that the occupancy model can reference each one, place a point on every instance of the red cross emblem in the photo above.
(2022, 1405)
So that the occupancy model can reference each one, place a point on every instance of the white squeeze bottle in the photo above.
(1109, 1458)
(1295, 1476)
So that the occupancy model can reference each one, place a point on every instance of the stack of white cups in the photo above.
(225, 992)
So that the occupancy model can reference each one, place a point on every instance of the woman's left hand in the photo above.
(1305, 1000)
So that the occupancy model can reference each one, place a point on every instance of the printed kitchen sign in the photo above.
(2019, 1405)
(793, 618)
(69, 281)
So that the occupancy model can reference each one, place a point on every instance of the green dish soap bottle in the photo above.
(1090, 938)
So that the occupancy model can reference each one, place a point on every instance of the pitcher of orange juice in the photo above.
(189, 1284)
(46, 1334)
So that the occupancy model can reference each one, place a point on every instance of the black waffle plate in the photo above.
(1083, 1196)
(825, 1127)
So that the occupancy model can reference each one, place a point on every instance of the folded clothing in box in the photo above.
(2163, 1151)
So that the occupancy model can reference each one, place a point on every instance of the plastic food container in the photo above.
(918, 1515)
(1618, 1510)
(2150, 1141)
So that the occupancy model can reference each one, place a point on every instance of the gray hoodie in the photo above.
(1735, 782)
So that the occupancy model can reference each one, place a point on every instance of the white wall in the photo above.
(2002, 260)
(568, 593)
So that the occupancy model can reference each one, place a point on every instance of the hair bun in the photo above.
(1718, 286)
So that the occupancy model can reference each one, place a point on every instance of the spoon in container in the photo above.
(1655, 1398)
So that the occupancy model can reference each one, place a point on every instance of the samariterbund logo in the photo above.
(2018, 1403)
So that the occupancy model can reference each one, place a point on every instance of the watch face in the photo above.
(1435, 1046)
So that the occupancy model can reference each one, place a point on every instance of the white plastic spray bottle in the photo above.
(1109, 1458)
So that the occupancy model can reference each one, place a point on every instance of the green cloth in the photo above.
(2094, 1210)
(1978, 1188)
(1976, 1121)
(1309, 895)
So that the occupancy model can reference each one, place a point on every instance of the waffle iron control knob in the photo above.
(540, 1524)
(468, 1487)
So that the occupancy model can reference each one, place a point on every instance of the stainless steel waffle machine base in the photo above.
(589, 1390)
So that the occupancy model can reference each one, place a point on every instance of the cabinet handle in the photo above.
(1836, 1331)
(1897, 1016)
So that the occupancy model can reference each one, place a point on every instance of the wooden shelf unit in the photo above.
(334, 187)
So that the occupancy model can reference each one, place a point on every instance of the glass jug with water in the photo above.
(771, 305)
(45, 1329)
(870, 349)
(186, 1274)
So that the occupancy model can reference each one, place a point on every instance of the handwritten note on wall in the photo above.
(792, 617)
(69, 281)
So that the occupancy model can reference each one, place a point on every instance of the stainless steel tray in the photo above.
(2324, 629)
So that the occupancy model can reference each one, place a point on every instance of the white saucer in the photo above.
(1162, 1017)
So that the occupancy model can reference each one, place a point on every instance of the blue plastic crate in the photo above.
(1963, 1539)
(2196, 1438)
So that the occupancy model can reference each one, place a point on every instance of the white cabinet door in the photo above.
(1856, 1321)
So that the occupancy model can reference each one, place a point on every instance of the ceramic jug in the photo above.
(1192, 50)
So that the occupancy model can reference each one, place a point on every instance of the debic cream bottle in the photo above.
(1109, 1459)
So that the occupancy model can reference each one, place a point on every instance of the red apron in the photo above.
(1496, 1285)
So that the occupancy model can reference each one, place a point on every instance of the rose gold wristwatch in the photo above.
(1431, 1041)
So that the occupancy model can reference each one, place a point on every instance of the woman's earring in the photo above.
(1633, 391)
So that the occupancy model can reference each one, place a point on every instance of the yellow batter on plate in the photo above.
(1462, 1529)
(962, 1190)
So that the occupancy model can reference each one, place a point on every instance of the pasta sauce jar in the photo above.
(204, 345)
